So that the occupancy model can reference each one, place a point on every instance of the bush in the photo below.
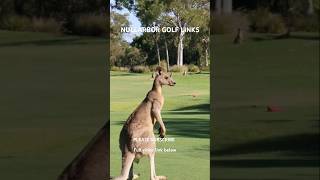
(46, 25)
(139, 69)
(153, 67)
(193, 68)
(305, 23)
(16, 23)
(163, 64)
(23, 23)
(205, 68)
(263, 21)
(90, 25)
(176, 68)
(229, 23)
(121, 69)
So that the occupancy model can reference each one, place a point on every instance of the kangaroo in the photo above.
(239, 37)
(140, 124)
(92, 161)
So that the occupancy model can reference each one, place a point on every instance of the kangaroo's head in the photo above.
(164, 78)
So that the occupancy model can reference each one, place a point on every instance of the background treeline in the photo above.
(83, 17)
(266, 16)
(176, 51)
(190, 50)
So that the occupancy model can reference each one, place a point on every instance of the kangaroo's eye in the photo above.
(166, 77)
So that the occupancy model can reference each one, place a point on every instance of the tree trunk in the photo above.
(180, 49)
(167, 53)
(310, 7)
(178, 54)
(218, 6)
(207, 62)
(158, 53)
(227, 6)
(181, 53)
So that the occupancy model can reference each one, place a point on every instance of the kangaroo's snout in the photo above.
(172, 83)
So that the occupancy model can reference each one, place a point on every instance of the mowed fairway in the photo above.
(53, 101)
(249, 142)
(186, 115)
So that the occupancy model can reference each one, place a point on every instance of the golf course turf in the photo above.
(53, 91)
(185, 114)
(54, 101)
(250, 142)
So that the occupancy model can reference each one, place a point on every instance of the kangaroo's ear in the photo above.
(159, 70)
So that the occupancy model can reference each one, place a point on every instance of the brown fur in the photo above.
(140, 124)
(92, 162)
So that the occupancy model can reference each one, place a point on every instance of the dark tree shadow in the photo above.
(184, 127)
(298, 144)
(126, 74)
(279, 37)
(50, 42)
(188, 127)
(198, 107)
(258, 163)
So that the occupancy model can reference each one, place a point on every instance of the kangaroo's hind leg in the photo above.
(127, 160)
(153, 169)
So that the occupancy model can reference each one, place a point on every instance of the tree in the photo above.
(182, 15)
(117, 45)
(223, 6)
(227, 6)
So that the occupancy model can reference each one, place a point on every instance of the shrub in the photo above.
(305, 23)
(276, 24)
(16, 23)
(176, 68)
(23, 23)
(121, 69)
(193, 68)
(263, 21)
(90, 25)
(205, 68)
(46, 25)
(139, 69)
(153, 67)
(163, 64)
(229, 23)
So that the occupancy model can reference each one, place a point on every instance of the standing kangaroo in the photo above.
(140, 124)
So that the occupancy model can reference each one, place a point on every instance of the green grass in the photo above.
(53, 91)
(250, 143)
(186, 118)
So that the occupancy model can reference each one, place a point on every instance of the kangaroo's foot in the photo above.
(135, 176)
(159, 178)
(119, 178)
